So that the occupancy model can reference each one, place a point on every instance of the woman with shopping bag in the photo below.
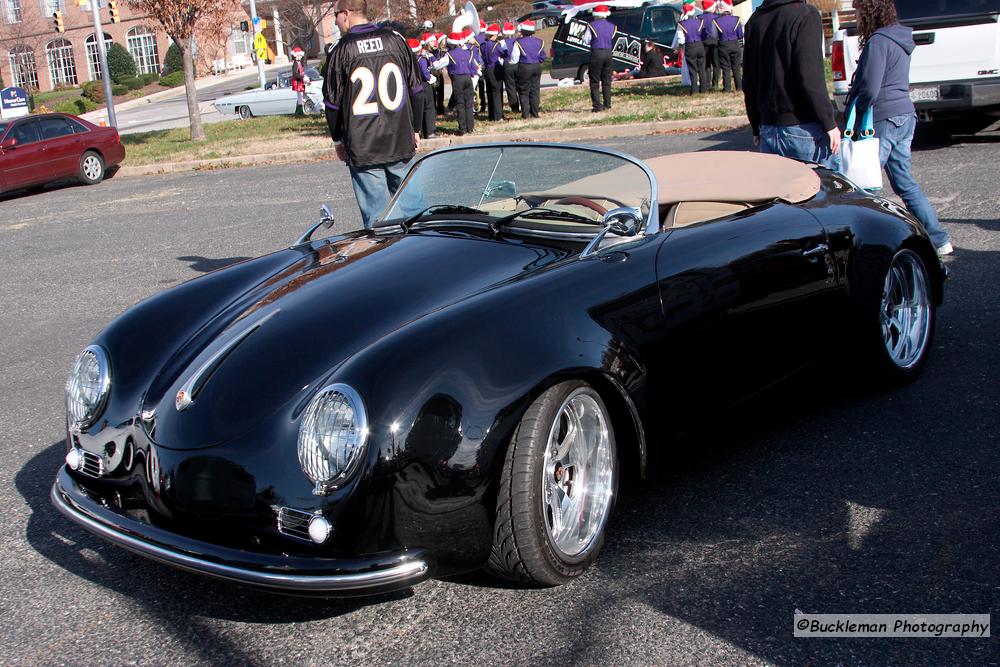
(881, 90)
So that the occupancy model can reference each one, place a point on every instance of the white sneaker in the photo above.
(946, 249)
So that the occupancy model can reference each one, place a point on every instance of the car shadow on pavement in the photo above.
(182, 601)
(207, 264)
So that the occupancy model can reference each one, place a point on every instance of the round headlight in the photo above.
(87, 387)
(332, 436)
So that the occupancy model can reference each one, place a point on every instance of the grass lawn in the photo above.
(634, 102)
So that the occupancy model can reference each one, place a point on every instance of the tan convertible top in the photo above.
(732, 176)
(709, 176)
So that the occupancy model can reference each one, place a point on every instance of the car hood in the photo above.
(282, 340)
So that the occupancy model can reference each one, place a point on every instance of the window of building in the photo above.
(86, 5)
(22, 67)
(142, 45)
(94, 56)
(12, 11)
(239, 41)
(50, 7)
(62, 67)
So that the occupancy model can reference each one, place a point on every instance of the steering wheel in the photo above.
(583, 201)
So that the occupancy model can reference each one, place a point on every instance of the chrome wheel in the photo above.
(245, 112)
(577, 475)
(906, 311)
(92, 167)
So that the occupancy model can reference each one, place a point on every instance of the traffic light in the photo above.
(57, 19)
(116, 17)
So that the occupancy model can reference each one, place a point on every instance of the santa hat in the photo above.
(527, 26)
(493, 29)
(468, 36)
(441, 38)
(427, 38)
(687, 8)
(482, 25)
(707, 4)
(297, 52)
(726, 6)
(414, 45)
(508, 28)
(602, 11)
(456, 38)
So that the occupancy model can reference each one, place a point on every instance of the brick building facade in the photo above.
(34, 55)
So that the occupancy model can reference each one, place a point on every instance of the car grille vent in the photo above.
(93, 464)
(294, 523)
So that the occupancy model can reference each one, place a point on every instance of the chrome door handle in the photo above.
(817, 250)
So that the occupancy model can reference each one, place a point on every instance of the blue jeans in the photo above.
(374, 185)
(808, 142)
(895, 134)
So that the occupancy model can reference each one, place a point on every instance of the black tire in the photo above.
(880, 333)
(245, 112)
(91, 169)
(583, 73)
(550, 21)
(523, 549)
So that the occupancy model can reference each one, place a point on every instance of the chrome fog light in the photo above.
(319, 529)
(74, 459)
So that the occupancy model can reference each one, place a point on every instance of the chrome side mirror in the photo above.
(326, 222)
(623, 221)
(501, 189)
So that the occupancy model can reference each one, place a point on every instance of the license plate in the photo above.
(925, 94)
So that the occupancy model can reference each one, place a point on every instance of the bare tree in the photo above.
(303, 20)
(180, 19)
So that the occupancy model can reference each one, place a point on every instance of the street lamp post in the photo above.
(102, 54)
(255, 22)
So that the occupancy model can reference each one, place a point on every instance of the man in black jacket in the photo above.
(784, 83)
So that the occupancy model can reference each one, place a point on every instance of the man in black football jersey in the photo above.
(369, 79)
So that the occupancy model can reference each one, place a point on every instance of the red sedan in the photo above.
(35, 150)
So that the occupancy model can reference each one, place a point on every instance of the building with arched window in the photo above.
(93, 57)
(24, 72)
(62, 66)
(141, 44)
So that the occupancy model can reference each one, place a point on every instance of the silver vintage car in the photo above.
(271, 102)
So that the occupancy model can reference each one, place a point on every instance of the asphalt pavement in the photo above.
(824, 495)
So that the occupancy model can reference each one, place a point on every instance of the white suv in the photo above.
(956, 65)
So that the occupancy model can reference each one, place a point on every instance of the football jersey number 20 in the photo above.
(364, 103)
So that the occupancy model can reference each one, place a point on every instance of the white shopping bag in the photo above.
(859, 159)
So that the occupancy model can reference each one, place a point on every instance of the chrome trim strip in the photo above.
(186, 394)
(652, 221)
(397, 574)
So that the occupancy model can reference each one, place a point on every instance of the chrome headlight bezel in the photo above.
(81, 416)
(329, 454)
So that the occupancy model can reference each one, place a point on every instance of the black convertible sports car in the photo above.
(466, 384)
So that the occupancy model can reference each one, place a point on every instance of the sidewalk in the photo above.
(179, 91)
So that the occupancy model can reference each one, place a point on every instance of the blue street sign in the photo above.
(256, 20)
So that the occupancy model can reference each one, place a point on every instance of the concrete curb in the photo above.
(574, 134)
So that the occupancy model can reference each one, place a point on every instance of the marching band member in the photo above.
(426, 123)
(688, 37)
(462, 66)
(492, 51)
(710, 37)
(510, 68)
(730, 46)
(602, 34)
(528, 55)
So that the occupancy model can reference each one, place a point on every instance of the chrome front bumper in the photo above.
(298, 575)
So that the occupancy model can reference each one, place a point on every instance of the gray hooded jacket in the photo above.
(883, 74)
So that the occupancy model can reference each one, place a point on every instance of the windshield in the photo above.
(922, 9)
(3, 128)
(552, 188)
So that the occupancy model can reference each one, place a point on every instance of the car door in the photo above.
(746, 299)
(24, 164)
(63, 147)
